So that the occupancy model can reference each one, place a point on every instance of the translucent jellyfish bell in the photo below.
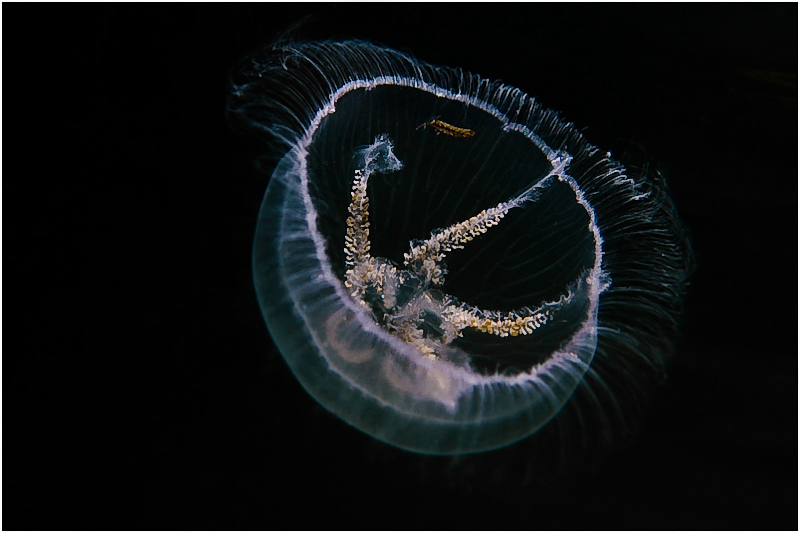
(438, 258)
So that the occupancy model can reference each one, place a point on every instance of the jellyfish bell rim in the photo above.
(380, 419)
(558, 360)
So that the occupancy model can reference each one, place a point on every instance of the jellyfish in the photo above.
(439, 259)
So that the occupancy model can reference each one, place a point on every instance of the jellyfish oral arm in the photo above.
(427, 257)
(357, 238)
(407, 298)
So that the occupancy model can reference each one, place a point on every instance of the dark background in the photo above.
(141, 388)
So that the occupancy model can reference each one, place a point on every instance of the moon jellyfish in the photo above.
(440, 259)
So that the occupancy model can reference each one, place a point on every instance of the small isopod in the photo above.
(448, 129)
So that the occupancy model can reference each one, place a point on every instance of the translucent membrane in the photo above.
(435, 251)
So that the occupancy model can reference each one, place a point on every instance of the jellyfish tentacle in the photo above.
(382, 346)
